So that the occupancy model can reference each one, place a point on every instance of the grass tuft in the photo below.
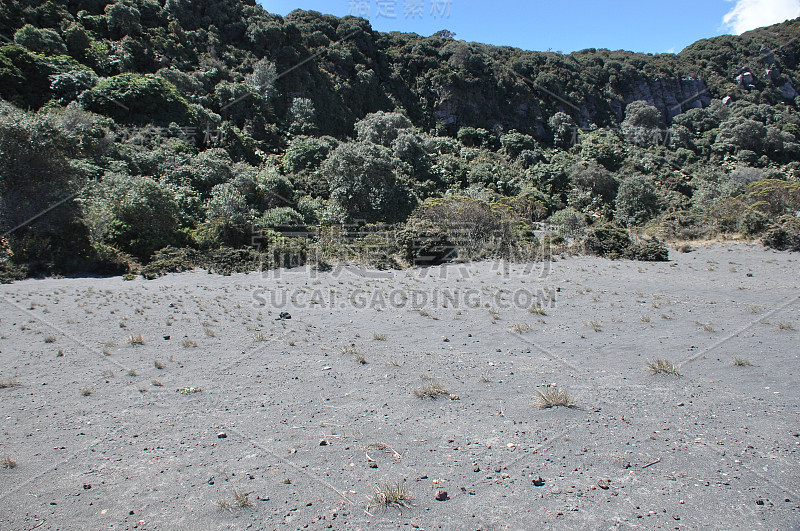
(741, 362)
(431, 390)
(554, 397)
(519, 328)
(390, 496)
(11, 382)
(189, 343)
(7, 462)
(659, 366)
(136, 340)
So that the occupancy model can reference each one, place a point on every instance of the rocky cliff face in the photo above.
(671, 96)
(530, 111)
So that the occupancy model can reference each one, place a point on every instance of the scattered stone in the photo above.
(758, 502)
(538, 482)
(455, 397)
(323, 442)
(373, 464)
(87, 486)
(222, 435)
(284, 316)
(476, 469)
(604, 484)
(166, 338)
(441, 495)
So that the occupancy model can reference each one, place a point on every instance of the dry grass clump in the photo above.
(519, 328)
(379, 337)
(240, 499)
(659, 366)
(360, 359)
(11, 382)
(189, 343)
(537, 309)
(554, 397)
(7, 462)
(390, 496)
(158, 365)
(136, 340)
(431, 390)
(86, 391)
(350, 350)
(786, 326)
(741, 362)
(50, 339)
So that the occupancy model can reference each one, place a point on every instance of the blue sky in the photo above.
(565, 25)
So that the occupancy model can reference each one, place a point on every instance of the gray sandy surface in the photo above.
(288, 413)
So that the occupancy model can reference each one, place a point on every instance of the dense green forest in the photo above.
(149, 135)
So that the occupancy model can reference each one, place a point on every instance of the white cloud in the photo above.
(752, 14)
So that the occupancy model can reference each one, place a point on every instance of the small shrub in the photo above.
(136, 340)
(8, 462)
(649, 251)
(86, 391)
(661, 366)
(50, 339)
(158, 365)
(11, 382)
(189, 343)
(554, 397)
(608, 242)
(784, 235)
(741, 362)
(431, 390)
(390, 496)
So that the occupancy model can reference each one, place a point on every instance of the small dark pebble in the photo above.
(166, 338)
(759, 502)
(222, 435)
(441, 495)
(323, 442)
(538, 482)
(87, 486)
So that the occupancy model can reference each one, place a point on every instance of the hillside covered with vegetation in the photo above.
(144, 135)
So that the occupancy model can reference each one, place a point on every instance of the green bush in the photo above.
(139, 99)
(40, 40)
(364, 186)
(135, 214)
(636, 202)
(381, 127)
(307, 154)
(422, 242)
(613, 242)
(281, 217)
(608, 242)
(784, 234)
(649, 251)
